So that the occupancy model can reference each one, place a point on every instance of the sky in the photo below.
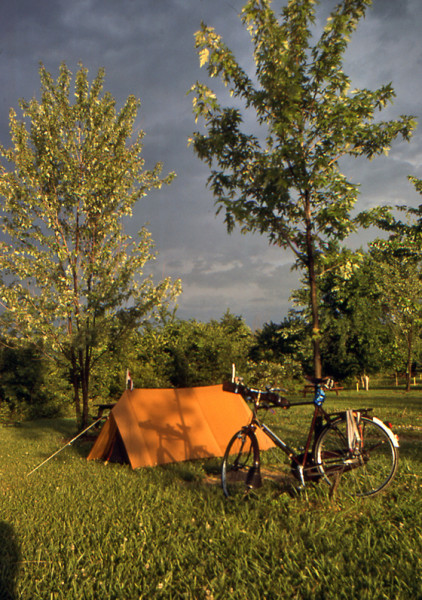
(147, 49)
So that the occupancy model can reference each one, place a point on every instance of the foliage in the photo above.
(356, 336)
(397, 263)
(369, 307)
(179, 353)
(172, 353)
(275, 341)
(29, 385)
(286, 374)
(284, 181)
(278, 356)
(189, 353)
(22, 375)
(72, 278)
(398, 280)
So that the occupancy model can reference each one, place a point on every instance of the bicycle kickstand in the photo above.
(300, 468)
(301, 488)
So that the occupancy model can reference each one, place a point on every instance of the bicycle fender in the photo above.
(393, 437)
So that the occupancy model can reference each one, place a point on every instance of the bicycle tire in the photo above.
(240, 468)
(365, 471)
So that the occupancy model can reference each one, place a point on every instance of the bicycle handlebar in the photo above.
(325, 382)
(262, 399)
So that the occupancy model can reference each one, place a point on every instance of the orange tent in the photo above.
(148, 427)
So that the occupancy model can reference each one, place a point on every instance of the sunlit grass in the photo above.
(75, 529)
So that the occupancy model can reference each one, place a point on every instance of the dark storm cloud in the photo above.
(147, 49)
(394, 10)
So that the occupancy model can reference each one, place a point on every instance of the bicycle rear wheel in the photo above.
(367, 469)
(240, 468)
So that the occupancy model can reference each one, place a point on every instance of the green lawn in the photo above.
(79, 530)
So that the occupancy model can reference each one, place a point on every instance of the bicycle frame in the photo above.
(301, 459)
(316, 425)
(287, 449)
(320, 457)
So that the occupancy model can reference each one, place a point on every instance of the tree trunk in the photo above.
(80, 382)
(76, 398)
(316, 334)
(409, 358)
(85, 406)
(85, 372)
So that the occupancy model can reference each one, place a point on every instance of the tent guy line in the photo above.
(149, 427)
(65, 446)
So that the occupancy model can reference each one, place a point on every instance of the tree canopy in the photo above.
(284, 180)
(73, 280)
(397, 267)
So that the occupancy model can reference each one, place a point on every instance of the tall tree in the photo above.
(72, 278)
(398, 264)
(398, 278)
(284, 180)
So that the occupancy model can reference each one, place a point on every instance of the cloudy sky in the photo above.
(147, 49)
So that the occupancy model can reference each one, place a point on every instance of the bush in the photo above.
(30, 385)
(286, 375)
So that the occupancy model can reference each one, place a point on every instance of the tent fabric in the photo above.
(158, 426)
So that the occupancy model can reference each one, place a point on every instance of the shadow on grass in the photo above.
(9, 560)
(206, 473)
(33, 430)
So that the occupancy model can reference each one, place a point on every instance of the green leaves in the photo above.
(69, 269)
(284, 179)
(309, 115)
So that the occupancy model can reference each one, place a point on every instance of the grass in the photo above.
(79, 530)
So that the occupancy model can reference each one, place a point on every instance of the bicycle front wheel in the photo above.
(240, 468)
(365, 470)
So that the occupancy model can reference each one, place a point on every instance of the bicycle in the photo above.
(350, 445)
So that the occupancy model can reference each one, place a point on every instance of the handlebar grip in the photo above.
(267, 399)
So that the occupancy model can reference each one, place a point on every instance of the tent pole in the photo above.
(68, 444)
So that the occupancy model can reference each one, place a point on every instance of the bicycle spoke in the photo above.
(238, 474)
(366, 470)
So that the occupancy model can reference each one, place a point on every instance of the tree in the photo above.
(356, 336)
(398, 263)
(277, 341)
(72, 278)
(399, 282)
(23, 375)
(191, 353)
(284, 180)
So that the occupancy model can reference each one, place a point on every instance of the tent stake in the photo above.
(68, 444)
